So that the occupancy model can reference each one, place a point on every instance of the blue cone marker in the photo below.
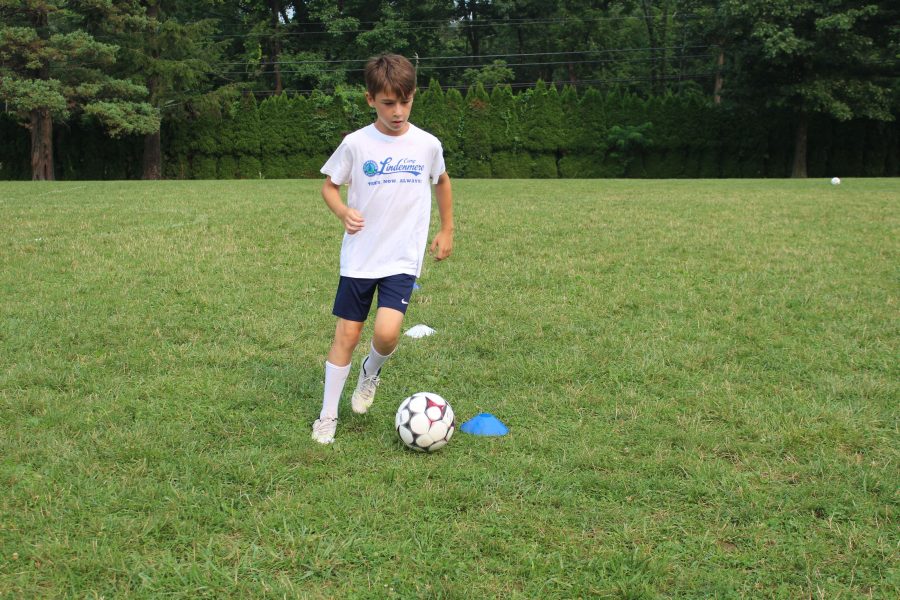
(484, 424)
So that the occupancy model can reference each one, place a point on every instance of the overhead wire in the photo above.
(423, 25)
(438, 24)
(500, 20)
(509, 65)
(579, 83)
(478, 56)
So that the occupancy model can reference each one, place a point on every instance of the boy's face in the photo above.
(392, 111)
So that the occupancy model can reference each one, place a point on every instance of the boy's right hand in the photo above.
(353, 221)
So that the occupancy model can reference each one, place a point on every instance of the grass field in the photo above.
(700, 378)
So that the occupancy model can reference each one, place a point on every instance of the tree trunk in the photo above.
(647, 8)
(663, 55)
(474, 41)
(40, 119)
(152, 156)
(275, 45)
(717, 90)
(41, 126)
(800, 144)
(681, 62)
(470, 14)
(152, 159)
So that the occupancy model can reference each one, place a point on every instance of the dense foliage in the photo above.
(171, 71)
(536, 133)
(54, 68)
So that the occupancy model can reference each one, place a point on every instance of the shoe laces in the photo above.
(369, 384)
(324, 426)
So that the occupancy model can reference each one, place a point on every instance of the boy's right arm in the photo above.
(350, 217)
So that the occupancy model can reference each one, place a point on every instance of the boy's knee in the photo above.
(386, 339)
(385, 346)
(348, 333)
(387, 330)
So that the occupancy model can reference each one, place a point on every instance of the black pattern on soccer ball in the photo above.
(425, 422)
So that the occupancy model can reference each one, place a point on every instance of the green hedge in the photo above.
(542, 132)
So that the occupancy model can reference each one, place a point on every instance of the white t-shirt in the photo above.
(390, 181)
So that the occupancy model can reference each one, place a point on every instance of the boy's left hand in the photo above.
(442, 245)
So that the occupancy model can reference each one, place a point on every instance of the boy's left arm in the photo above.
(442, 245)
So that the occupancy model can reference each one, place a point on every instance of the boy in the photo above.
(389, 166)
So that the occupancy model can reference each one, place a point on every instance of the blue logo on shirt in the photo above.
(370, 168)
(389, 167)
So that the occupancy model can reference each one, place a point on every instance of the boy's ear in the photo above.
(370, 99)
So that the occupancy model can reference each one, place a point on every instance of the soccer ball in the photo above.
(425, 422)
(835, 181)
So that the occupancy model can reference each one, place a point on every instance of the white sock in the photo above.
(373, 363)
(335, 377)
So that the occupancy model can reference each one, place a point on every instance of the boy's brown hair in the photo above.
(390, 73)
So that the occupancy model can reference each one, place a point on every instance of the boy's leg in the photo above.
(385, 339)
(346, 338)
(394, 293)
(337, 368)
(388, 322)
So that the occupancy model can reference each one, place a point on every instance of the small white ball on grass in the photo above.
(835, 181)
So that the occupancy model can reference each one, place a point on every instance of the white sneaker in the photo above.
(364, 394)
(323, 430)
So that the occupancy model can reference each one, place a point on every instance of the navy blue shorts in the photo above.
(354, 295)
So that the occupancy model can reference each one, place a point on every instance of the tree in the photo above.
(266, 20)
(476, 128)
(656, 39)
(489, 75)
(703, 28)
(173, 53)
(475, 22)
(53, 69)
(828, 57)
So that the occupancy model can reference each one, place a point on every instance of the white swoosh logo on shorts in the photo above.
(402, 301)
